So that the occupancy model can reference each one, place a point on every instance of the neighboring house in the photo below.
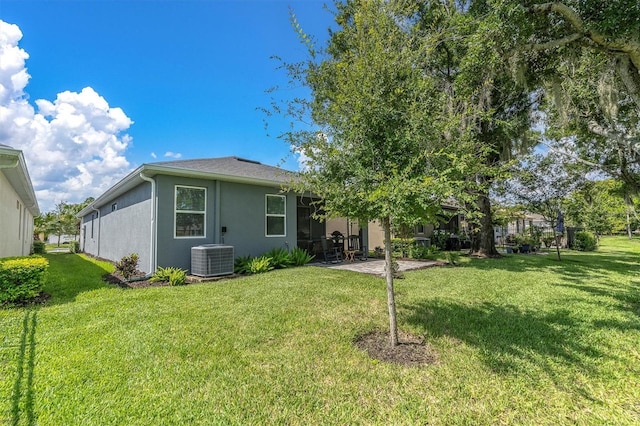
(61, 239)
(18, 204)
(452, 222)
(521, 225)
(161, 210)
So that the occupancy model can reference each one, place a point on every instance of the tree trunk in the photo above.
(391, 300)
(558, 245)
(484, 244)
(627, 205)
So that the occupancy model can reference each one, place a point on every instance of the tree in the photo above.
(541, 184)
(598, 206)
(488, 94)
(377, 152)
(611, 27)
(62, 220)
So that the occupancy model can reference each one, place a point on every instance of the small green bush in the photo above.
(74, 246)
(280, 258)
(439, 238)
(452, 257)
(585, 241)
(128, 265)
(39, 247)
(300, 257)
(21, 278)
(261, 264)
(401, 246)
(174, 276)
(242, 265)
(421, 252)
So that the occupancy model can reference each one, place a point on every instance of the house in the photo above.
(161, 210)
(521, 224)
(18, 204)
(451, 221)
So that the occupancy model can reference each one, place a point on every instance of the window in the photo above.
(190, 211)
(275, 215)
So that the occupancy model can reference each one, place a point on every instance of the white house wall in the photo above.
(16, 222)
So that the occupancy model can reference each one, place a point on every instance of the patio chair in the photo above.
(330, 253)
(360, 250)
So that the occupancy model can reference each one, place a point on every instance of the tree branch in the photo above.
(630, 80)
(554, 43)
(630, 47)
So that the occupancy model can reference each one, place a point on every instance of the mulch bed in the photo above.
(135, 281)
(412, 351)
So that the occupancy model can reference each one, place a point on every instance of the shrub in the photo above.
(242, 265)
(261, 264)
(21, 278)
(401, 246)
(174, 276)
(74, 246)
(421, 252)
(128, 265)
(585, 241)
(439, 239)
(300, 257)
(280, 258)
(39, 247)
(452, 257)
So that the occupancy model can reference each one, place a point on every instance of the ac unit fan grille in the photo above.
(211, 260)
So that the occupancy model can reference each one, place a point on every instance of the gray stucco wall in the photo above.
(174, 251)
(242, 211)
(238, 207)
(123, 231)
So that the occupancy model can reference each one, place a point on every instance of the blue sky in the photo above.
(163, 80)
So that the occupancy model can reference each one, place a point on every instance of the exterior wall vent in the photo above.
(211, 260)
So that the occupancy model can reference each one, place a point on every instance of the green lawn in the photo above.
(521, 340)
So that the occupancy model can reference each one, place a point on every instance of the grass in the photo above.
(521, 340)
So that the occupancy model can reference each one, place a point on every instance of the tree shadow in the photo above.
(590, 273)
(510, 339)
(22, 401)
(71, 274)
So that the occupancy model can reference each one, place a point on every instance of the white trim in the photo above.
(268, 215)
(176, 211)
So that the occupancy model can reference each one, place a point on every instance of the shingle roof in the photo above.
(230, 166)
(231, 169)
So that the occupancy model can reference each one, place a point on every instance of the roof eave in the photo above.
(18, 175)
(151, 170)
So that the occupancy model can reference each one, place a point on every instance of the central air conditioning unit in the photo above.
(210, 260)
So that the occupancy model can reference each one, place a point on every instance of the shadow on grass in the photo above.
(22, 396)
(589, 272)
(72, 274)
(510, 339)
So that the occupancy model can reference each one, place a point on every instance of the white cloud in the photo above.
(172, 154)
(74, 146)
(153, 155)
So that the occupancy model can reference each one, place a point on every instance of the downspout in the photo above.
(152, 248)
(217, 220)
(99, 227)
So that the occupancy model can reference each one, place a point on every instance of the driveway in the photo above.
(376, 266)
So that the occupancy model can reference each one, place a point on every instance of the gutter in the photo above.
(99, 227)
(152, 242)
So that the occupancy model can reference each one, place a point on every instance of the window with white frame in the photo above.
(190, 211)
(275, 215)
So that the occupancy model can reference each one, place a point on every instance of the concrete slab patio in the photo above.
(376, 266)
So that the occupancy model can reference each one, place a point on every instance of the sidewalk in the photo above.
(376, 266)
